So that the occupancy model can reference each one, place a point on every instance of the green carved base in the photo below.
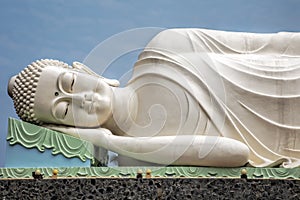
(175, 172)
(31, 136)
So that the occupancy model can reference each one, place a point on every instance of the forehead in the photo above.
(51, 74)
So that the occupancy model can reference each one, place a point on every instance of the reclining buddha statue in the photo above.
(196, 97)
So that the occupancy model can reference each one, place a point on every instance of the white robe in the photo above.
(246, 86)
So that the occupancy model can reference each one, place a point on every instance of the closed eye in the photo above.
(72, 84)
(61, 109)
(66, 112)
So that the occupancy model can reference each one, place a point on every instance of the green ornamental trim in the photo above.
(161, 172)
(32, 136)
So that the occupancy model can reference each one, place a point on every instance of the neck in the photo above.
(124, 108)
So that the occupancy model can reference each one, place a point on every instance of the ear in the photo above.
(82, 67)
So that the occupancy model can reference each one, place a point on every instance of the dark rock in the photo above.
(154, 188)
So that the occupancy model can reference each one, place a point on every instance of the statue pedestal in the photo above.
(18, 156)
(30, 147)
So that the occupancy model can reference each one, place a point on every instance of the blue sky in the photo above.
(69, 30)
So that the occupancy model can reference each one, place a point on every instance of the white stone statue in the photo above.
(196, 97)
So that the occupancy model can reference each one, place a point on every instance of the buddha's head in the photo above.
(52, 92)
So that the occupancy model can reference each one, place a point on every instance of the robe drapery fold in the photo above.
(247, 85)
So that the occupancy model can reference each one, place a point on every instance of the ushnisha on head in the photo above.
(22, 88)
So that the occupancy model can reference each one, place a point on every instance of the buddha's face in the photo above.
(72, 98)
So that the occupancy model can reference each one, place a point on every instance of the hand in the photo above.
(97, 136)
(63, 129)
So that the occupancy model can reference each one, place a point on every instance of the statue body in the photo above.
(196, 97)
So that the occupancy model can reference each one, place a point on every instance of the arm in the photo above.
(179, 150)
(96, 136)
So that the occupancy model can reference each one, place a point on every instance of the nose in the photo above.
(89, 102)
(91, 97)
(88, 99)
